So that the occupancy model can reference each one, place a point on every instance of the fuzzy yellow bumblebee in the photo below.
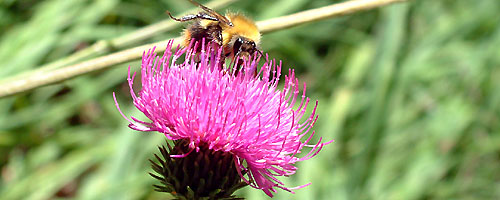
(237, 34)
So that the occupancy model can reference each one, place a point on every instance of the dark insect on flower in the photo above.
(235, 113)
(237, 34)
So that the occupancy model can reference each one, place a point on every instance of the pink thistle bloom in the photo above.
(235, 112)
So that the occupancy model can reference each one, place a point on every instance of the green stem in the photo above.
(106, 46)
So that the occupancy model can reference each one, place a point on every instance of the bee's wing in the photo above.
(212, 12)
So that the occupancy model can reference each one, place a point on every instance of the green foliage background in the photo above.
(410, 93)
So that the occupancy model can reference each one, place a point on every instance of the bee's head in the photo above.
(244, 47)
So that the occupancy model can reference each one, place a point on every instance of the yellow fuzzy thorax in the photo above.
(242, 26)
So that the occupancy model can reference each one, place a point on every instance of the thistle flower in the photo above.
(230, 111)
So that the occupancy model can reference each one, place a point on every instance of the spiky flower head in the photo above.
(232, 111)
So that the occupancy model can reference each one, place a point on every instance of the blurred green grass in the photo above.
(410, 93)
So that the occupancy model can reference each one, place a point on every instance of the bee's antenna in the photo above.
(262, 54)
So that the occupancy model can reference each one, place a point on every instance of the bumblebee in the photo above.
(237, 34)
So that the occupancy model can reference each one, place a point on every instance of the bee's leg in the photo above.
(235, 63)
(192, 17)
(216, 34)
(223, 63)
(219, 38)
